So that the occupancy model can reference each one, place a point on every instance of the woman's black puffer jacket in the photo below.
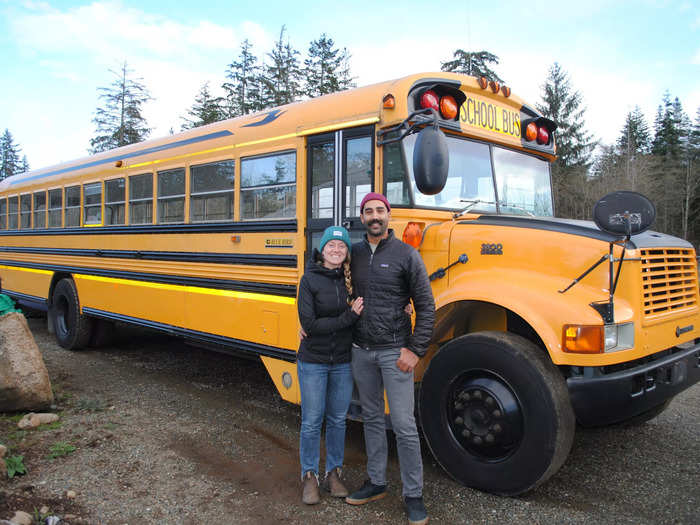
(325, 315)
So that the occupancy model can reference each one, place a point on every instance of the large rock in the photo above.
(24, 381)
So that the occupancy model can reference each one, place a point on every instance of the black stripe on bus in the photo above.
(540, 224)
(287, 261)
(236, 345)
(285, 290)
(32, 301)
(228, 227)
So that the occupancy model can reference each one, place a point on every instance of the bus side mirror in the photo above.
(624, 213)
(431, 160)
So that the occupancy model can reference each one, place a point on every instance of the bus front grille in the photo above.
(669, 281)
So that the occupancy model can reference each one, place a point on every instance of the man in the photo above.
(388, 274)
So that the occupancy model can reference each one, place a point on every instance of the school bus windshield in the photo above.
(522, 182)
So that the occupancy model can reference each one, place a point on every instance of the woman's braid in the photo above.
(348, 278)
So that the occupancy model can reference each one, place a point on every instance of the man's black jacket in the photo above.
(388, 279)
(325, 315)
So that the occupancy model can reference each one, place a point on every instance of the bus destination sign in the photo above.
(485, 114)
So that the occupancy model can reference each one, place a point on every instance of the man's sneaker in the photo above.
(309, 489)
(368, 492)
(415, 510)
(335, 486)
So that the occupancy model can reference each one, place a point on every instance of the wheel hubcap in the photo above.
(485, 416)
(61, 325)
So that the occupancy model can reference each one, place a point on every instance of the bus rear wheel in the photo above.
(496, 413)
(73, 329)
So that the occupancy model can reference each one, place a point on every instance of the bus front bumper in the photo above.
(603, 399)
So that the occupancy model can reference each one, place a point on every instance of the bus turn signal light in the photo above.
(584, 339)
(448, 107)
(531, 131)
(413, 234)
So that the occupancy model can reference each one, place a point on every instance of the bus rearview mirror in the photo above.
(624, 213)
(431, 160)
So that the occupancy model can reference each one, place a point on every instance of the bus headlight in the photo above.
(597, 339)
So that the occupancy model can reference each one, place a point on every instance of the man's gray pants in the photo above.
(375, 371)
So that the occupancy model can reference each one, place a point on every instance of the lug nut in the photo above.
(489, 401)
(459, 406)
(497, 428)
(477, 394)
(459, 421)
(496, 413)
(466, 433)
(477, 440)
(466, 396)
(489, 438)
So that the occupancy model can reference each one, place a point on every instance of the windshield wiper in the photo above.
(472, 203)
(516, 207)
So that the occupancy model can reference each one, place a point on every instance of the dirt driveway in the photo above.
(169, 434)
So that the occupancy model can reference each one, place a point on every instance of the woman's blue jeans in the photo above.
(326, 390)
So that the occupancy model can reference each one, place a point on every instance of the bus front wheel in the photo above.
(496, 413)
(72, 328)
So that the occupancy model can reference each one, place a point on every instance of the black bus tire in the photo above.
(72, 329)
(496, 413)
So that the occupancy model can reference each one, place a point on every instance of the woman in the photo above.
(323, 361)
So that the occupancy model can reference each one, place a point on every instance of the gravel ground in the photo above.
(166, 433)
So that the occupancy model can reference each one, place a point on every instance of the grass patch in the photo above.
(15, 465)
(59, 449)
(90, 405)
(51, 426)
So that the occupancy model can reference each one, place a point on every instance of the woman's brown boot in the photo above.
(309, 489)
(335, 486)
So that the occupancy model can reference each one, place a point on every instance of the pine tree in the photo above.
(10, 163)
(326, 68)
(281, 78)
(634, 136)
(205, 110)
(574, 144)
(120, 121)
(243, 89)
(474, 63)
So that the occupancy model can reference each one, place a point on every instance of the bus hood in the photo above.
(648, 239)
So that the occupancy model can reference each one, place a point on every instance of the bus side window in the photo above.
(171, 196)
(55, 206)
(3, 213)
(92, 203)
(25, 211)
(211, 191)
(268, 186)
(141, 199)
(72, 206)
(115, 198)
(13, 207)
(40, 209)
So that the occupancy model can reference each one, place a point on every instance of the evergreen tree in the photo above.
(666, 133)
(120, 121)
(205, 110)
(634, 137)
(475, 64)
(243, 88)
(10, 163)
(281, 78)
(326, 68)
(574, 144)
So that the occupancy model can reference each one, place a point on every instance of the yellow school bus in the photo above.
(541, 322)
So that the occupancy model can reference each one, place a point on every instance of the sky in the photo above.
(55, 55)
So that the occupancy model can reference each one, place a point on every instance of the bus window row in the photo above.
(268, 191)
